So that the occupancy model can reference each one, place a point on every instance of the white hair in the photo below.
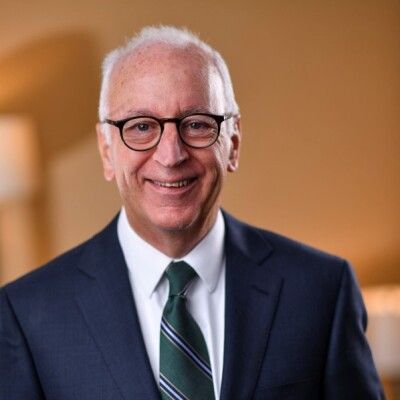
(174, 37)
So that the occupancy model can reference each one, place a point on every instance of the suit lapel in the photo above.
(252, 294)
(107, 304)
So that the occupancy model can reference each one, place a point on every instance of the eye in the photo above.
(138, 127)
(142, 127)
(196, 125)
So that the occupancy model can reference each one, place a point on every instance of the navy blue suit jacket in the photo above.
(294, 326)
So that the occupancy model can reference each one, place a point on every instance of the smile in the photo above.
(176, 184)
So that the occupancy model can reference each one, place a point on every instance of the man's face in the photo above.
(170, 188)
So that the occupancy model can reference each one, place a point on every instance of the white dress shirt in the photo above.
(205, 297)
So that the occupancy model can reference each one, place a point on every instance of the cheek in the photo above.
(222, 157)
(127, 167)
(218, 163)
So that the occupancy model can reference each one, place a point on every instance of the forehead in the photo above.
(160, 76)
(159, 54)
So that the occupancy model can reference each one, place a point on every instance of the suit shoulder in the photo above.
(56, 273)
(52, 268)
(44, 282)
(287, 252)
(296, 248)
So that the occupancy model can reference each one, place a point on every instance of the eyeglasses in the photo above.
(144, 132)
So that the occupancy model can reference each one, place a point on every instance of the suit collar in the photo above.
(247, 240)
(145, 263)
(252, 295)
(106, 302)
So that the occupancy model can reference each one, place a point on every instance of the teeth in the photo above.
(177, 184)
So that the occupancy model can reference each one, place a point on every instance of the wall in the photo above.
(318, 83)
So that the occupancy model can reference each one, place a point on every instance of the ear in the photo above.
(104, 147)
(236, 138)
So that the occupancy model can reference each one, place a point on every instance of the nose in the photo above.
(170, 151)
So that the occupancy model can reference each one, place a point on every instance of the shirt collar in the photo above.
(146, 264)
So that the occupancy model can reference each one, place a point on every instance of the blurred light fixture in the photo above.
(383, 306)
(19, 171)
(383, 332)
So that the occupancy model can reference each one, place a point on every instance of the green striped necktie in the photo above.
(185, 370)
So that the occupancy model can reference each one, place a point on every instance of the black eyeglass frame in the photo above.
(162, 121)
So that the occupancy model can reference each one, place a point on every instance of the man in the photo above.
(176, 299)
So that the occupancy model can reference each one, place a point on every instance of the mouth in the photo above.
(178, 184)
(175, 184)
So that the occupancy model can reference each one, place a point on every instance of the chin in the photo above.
(175, 220)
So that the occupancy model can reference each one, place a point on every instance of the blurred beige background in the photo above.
(319, 88)
(318, 83)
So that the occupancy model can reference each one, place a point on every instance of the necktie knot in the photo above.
(179, 275)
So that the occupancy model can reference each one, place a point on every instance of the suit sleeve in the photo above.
(350, 372)
(18, 378)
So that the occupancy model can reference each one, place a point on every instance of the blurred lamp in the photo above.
(383, 306)
(18, 158)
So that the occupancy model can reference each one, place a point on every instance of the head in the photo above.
(171, 190)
